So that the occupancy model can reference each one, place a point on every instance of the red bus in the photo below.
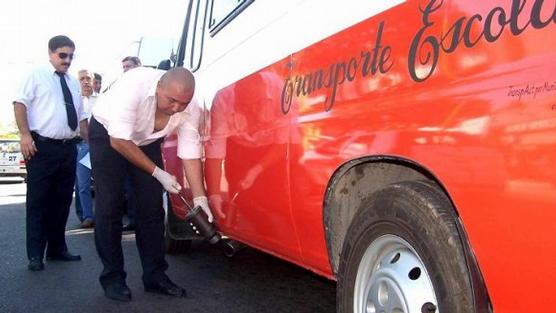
(405, 149)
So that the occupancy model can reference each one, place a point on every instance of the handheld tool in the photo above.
(198, 220)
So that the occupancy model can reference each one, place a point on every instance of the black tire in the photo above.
(409, 229)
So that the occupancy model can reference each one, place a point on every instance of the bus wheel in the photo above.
(403, 254)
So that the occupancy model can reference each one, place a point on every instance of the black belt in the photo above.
(70, 141)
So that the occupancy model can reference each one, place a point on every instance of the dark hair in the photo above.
(135, 60)
(164, 65)
(97, 76)
(59, 42)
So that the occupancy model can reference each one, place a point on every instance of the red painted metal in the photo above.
(483, 123)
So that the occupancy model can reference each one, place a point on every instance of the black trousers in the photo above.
(50, 180)
(110, 170)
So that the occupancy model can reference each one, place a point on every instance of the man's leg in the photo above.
(150, 227)
(60, 200)
(130, 205)
(109, 171)
(40, 169)
(149, 217)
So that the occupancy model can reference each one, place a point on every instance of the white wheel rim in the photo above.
(392, 278)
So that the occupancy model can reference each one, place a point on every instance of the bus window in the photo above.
(224, 11)
(193, 35)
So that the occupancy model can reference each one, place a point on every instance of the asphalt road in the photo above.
(250, 281)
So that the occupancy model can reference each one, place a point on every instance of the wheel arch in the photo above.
(356, 180)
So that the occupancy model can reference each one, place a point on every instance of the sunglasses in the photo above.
(63, 55)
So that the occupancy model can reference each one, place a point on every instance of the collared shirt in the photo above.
(127, 111)
(41, 93)
(89, 104)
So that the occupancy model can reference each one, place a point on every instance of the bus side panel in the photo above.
(506, 93)
(484, 123)
(468, 92)
(247, 162)
(346, 110)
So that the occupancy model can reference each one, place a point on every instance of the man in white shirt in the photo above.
(83, 197)
(48, 110)
(126, 131)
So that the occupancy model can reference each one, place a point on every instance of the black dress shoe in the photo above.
(64, 256)
(166, 287)
(128, 227)
(35, 264)
(118, 292)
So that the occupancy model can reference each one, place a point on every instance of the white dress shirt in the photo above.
(89, 104)
(41, 93)
(127, 111)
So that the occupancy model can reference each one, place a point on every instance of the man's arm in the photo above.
(194, 174)
(133, 154)
(28, 148)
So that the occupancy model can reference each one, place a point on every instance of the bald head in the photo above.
(175, 90)
(178, 77)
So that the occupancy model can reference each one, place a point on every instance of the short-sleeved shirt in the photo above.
(41, 93)
(127, 111)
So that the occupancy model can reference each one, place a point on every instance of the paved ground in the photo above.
(249, 282)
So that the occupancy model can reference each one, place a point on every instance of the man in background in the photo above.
(97, 83)
(83, 178)
(130, 62)
(48, 111)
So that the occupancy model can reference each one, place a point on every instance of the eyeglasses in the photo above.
(63, 55)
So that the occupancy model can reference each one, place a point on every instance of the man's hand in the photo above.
(168, 181)
(28, 148)
(203, 203)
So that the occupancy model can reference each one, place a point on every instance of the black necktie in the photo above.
(70, 108)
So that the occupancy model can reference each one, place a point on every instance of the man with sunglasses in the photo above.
(49, 115)
(129, 123)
